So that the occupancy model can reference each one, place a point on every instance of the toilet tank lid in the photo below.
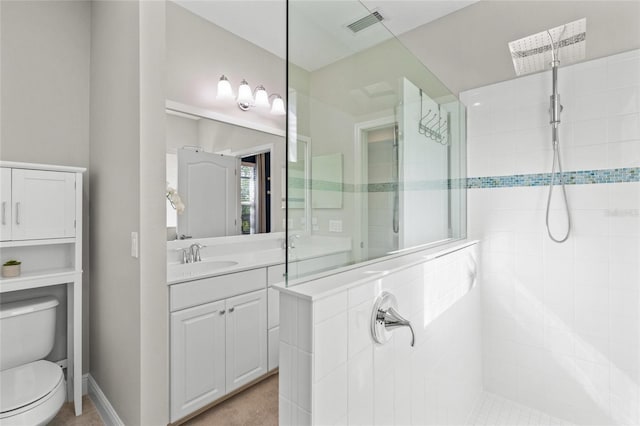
(22, 307)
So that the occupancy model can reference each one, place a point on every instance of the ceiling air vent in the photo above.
(365, 22)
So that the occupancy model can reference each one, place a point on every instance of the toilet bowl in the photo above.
(32, 390)
(32, 394)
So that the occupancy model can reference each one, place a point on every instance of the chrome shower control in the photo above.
(385, 318)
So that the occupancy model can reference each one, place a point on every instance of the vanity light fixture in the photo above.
(262, 99)
(277, 107)
(247, 99)
(224, 89)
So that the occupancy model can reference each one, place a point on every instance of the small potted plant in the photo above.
(11, 268)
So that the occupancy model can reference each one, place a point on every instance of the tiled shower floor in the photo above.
(493, 410)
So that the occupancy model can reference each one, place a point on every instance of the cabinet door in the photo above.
(246, 338)
(5, 204)
(273, 308)
(197, 358)
(44, 204)
(274, 348)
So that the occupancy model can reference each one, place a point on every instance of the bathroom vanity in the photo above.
(41, 226)
(224, 313)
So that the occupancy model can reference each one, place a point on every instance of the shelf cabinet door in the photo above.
(197, 358)
(5, 204)
(44, 204)
(246, 338)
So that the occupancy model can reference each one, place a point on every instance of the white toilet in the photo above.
(32, 389)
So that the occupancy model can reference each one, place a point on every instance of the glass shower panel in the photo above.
(375, 143)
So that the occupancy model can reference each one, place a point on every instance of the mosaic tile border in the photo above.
(580, 177)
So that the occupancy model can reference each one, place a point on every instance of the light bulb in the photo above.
(277, 108)
(262, 99)
(244, 94)
(224, 89)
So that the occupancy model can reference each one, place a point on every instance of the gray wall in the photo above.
(154, 303)
(129, 315)
(115, 181)
(80, 86)
(45, 107)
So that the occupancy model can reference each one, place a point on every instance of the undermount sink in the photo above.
(198, 268)
(216, 264)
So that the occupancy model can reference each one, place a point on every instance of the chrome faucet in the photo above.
(186, 255)
(195, 252)
(292, 240)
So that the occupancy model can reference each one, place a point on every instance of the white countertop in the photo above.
(319, 287)
(242, 261)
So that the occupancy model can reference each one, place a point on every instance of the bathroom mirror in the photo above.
(254, 157)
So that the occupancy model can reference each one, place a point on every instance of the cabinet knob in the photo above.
(222, 312)
(231, 309)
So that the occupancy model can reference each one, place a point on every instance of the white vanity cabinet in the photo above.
(220, 345)
(37, 204)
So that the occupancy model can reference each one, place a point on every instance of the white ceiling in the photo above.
(319, 23)
(463, 42)
(469, 48)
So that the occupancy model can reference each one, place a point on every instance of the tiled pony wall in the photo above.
(332, 373)
(561, 326)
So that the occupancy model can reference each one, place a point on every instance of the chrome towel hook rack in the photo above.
(434, 124)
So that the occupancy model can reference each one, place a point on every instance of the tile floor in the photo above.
(497, 411)
(257, 406)
(67, 417)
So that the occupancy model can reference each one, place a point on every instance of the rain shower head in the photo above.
(536, 52)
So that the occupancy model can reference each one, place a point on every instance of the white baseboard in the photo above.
(85, 387)
(104, 407)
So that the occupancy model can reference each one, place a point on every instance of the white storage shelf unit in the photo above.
(41, 226)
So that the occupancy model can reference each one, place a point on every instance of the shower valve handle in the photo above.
(385, 318)
(392, 320)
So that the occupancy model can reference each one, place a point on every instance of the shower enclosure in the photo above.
(386, 142)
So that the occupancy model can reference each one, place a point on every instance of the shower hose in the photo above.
(556, 159)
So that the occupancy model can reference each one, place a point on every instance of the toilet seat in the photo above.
(32, 393)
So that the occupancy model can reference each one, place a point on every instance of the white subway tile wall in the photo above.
(561, 321)
(345, 378)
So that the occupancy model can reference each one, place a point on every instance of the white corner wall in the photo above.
(561, 321)
(332, 372)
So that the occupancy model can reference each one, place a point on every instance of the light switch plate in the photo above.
(134, 245)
